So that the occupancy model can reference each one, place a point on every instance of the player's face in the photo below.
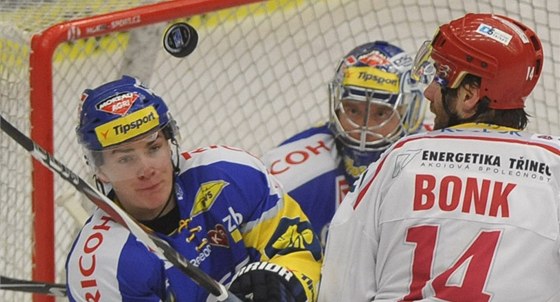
(141, 173)
(461, 106)
(433, 94)
(379, 122)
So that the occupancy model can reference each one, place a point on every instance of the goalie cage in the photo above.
(258, 75)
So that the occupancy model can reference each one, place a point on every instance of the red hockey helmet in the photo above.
(504, 53)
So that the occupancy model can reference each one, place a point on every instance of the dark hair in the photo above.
(512, 118)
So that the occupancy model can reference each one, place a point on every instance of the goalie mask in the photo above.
(373, 103)
(119, 113)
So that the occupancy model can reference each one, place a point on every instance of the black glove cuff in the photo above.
(265, 281)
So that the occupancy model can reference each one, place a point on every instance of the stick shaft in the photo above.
(51, 289)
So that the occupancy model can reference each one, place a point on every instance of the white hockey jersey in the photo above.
(469, 213)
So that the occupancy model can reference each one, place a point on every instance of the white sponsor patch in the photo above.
(494, 33)
(515, 28)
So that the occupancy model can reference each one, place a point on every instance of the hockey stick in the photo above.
(71, 202)
(144, 234)
(51, 289)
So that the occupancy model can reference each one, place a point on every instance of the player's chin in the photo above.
(161, 189)
(153, 202)
(156, 196)
(432, 108)
(440, 123)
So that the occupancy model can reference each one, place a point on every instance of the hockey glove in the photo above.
(267, 282)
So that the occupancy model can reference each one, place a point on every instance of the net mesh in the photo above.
(259, 74)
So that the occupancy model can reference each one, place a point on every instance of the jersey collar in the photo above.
(483, 126)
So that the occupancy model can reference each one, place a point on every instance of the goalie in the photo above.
(216, 206)
(373, 102)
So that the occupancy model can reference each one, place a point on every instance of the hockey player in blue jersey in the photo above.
(217, 206)
(373, 102)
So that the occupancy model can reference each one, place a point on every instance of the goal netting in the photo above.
(259, 74)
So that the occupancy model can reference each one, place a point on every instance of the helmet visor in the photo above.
(132, 159)
(441, 70)
(424, 69)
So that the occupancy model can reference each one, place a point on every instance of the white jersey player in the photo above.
(470, 211)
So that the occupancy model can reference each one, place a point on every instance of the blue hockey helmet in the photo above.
(119, 111)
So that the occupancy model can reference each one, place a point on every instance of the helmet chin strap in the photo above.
(169, 199)
(176, 162)
(99, 185)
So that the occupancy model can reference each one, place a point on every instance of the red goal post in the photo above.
(259, 74)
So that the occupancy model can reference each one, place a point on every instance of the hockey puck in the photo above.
(180, 39)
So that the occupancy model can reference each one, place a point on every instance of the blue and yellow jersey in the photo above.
(232, 213)
(310, 168)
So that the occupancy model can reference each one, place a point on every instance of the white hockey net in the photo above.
(259, 74)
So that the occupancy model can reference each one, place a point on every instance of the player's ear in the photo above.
(470, 97)
(102, 177)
